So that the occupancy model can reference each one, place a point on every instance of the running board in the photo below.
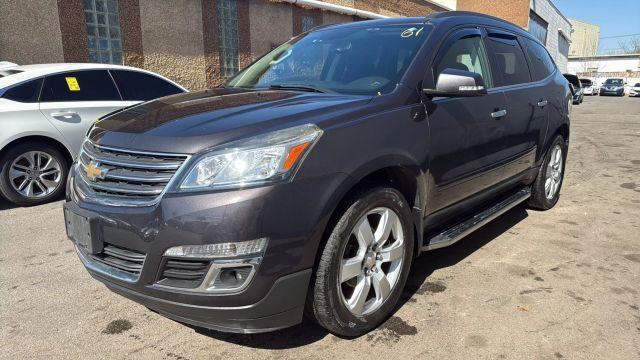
(457, 232)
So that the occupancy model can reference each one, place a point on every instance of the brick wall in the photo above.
(516, 11)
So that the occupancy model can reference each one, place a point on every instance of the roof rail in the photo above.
(448, 14)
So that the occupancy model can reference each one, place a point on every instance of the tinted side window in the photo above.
(91, 85)
(466, 54)
(542, 65)
(139, 86)
(26, 93)
(508, 64)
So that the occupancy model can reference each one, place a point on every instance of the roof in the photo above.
(38, 70)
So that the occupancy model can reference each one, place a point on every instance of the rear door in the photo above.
(74, 100)
(543, 92)
(466, 132)
(522, 123)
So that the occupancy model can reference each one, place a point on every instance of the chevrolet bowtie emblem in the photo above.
(95, 171)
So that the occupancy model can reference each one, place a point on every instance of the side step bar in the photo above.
(457, 232)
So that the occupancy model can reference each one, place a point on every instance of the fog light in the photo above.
(217, 251)
(232, 278)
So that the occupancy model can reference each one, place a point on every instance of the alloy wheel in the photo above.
(371, 261)
(35, 174)
(554, 173)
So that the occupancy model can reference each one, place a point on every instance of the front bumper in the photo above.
(612, 92)
(291, 215)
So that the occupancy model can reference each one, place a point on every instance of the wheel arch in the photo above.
(404, 177)
(41, 139)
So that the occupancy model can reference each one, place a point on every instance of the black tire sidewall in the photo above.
(10, 193)
(339, 319)
(549, 203)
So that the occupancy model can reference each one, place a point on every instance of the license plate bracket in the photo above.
(81, 229)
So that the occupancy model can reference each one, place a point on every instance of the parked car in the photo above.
(588, 87)
(576, 87)
(635, 90)
(7, 65)
(613, 86)
(45, 112)
(314, 177)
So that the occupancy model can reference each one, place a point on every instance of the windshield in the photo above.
(585, 82)
(613, 82)
(636, 85)
(365, 60)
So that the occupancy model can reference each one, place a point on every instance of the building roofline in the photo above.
(584, 22)
(559, 12)
(605, 57)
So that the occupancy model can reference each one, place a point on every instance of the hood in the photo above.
(190, 122)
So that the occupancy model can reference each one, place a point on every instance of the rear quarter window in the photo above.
(541, 63)
(139, 86)
(27, 92)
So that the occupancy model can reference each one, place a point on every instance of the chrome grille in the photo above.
(129, 175)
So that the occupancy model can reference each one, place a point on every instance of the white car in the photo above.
(635, 90)
(45, 111)
(588, 87)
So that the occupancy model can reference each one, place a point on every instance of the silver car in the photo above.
(45, 111)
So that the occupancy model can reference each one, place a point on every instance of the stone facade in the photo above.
(29, 33)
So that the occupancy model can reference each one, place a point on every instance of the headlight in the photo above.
(258, 160)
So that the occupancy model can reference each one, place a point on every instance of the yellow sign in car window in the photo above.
(72, 83)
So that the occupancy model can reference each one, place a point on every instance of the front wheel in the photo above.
(32, 174)
(364, 264)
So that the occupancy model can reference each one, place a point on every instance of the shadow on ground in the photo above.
(308, 332)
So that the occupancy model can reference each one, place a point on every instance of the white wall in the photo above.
(604, 65)
(608, 68)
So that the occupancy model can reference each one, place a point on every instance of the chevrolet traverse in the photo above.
(310, 180)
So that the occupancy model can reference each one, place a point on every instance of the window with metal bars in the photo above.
(227, 11)
(308, 23)
(103, 31)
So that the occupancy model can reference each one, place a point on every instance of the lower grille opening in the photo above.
(121, 258)
(183, 273)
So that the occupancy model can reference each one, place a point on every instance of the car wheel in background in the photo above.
(546, 188)
(364, 264)
(33, 174)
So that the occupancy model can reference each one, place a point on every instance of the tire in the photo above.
(51, 176)
(331, 297)
(540, 198)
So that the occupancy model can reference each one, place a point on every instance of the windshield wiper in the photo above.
(301, 87)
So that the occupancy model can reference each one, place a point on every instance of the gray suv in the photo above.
(309, 182)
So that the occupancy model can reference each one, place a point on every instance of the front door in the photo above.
(467, 133)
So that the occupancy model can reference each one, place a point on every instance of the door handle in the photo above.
(542, 103)
(64, 114)
(499, 113)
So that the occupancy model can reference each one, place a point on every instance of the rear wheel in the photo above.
(32, 174)
(364, 264)
(546, 188)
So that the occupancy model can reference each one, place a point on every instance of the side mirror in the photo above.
(458, 83)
